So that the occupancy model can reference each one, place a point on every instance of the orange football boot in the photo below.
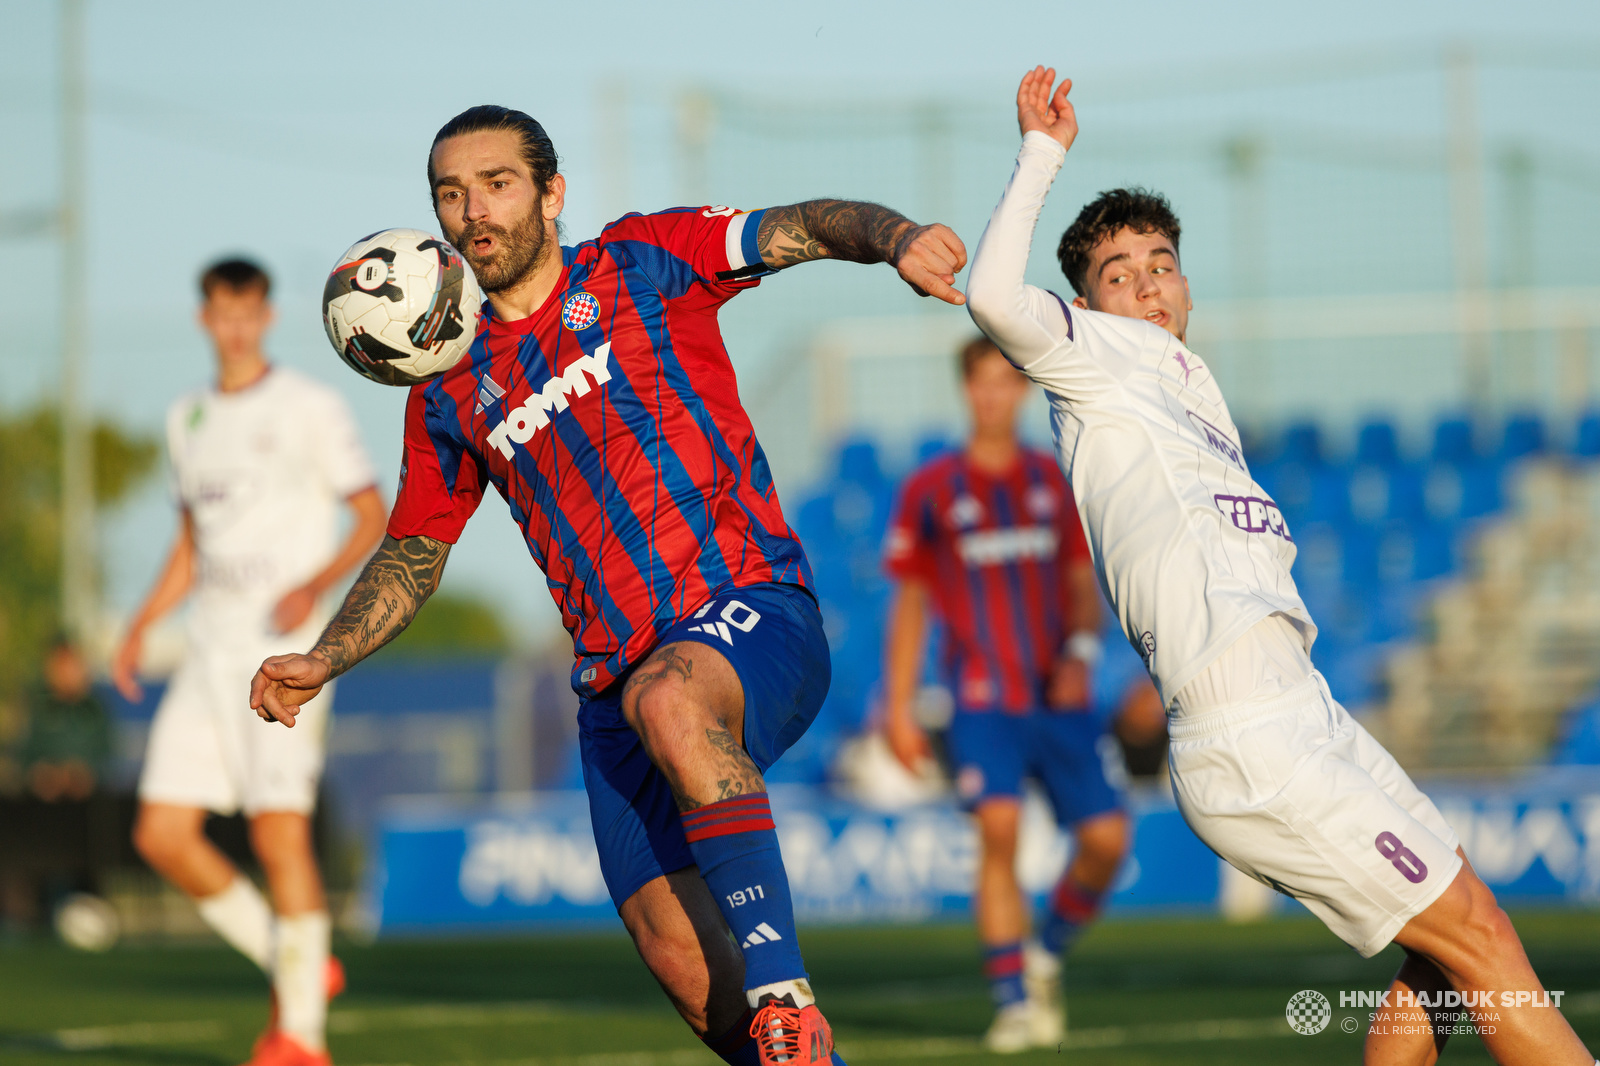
(333, 982)
(280, 1049)
(790, 1035)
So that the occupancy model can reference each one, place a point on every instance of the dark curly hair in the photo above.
(1137, 209)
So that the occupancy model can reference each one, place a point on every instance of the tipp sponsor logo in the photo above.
(1218, 441)
(991, 547)
(523, 422)
(1254, 515)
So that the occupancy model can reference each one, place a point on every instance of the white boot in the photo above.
(1041, 976)
(1012, 1029)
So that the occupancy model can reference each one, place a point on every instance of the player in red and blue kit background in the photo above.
(987, 538)
(599, 401)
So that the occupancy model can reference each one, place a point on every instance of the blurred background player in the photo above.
(261, 463)
(599, 400)
(987, 539)
(1267, 767)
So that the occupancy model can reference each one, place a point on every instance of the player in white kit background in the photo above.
(1267, 768)
(261, 444)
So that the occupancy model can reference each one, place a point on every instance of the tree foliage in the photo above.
(30, 525)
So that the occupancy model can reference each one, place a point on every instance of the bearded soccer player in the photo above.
(262, 443)
(988, 539)
(1268, 769)
(600, 402)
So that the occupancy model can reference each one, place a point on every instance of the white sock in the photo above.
(800, 990)
(240, 915)
(301, 977)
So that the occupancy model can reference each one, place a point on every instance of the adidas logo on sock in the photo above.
(760, 935)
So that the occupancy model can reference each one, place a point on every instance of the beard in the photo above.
(519, 251)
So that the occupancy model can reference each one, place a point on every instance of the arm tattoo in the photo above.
(392, 588)
(833, 229)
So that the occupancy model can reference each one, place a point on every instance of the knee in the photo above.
(281, 838)
(662, 715)
(1104, 839)
(997, 828)
(1480, 933)
(160, 841)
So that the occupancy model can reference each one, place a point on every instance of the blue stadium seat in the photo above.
(1586, 442)
(1453, 441)
(1377, 445)
(1524, 436)
(931, 447)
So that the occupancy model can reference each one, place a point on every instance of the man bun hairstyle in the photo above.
(1137, 209)
(537, 150)
(972, 352)
(238, 274)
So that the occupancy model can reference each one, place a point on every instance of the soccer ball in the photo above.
(87, 922)
(401, 307)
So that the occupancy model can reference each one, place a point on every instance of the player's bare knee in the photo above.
(1104, 839)
(161, 841)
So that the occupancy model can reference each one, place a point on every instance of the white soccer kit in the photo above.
(1194, 556)
(263, 473)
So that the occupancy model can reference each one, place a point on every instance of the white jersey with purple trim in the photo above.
(263, 473)
(1190, 551)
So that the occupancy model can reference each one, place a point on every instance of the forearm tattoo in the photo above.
(392, 588)
(852, 230)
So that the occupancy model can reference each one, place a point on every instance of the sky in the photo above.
(288, 130)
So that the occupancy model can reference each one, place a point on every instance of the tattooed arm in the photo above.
(392, 588)
(927, 257)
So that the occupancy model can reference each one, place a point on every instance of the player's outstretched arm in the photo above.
(1026, 322)
(927, 257)
(392, 588)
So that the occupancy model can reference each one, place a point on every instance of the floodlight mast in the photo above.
(78, 578)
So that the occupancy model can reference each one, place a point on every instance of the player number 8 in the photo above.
(1401, 857)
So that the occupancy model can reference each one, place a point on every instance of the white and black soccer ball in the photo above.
(401, 307)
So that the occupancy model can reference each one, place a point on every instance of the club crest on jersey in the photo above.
(966, 512)
(1041, 501)
(580, 311)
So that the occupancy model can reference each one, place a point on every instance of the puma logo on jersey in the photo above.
(523, 422)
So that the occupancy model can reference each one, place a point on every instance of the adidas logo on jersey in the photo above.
(760, 935)
(523, 422)
(488, 393)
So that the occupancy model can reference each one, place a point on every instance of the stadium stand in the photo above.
(1457, 591)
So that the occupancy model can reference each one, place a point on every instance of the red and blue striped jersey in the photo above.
(610, 422)
(993, 550)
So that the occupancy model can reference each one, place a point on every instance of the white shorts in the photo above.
(208, 749)
(1295, 793)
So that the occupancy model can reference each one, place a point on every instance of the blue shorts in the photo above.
(772, 634)
(993, 751)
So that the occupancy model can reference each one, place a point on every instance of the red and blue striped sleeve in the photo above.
(710, 250)
(441, 483)
(908, 549)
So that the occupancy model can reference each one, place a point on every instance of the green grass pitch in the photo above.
(1138, 991)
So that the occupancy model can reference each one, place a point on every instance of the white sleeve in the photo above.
(1026, 322)
(340, 454)
(1072, 353)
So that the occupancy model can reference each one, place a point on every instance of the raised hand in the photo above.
(284, 684)
(929, 258)
(1038, 109)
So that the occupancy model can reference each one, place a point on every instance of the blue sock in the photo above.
(736, 1047)
(1002, 965)
(736, 848)
(1069, 911)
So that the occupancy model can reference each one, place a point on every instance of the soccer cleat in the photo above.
(333, 983)
(1041, 976)
(795, 1036)
(1012, 1029)
(278, 1048)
